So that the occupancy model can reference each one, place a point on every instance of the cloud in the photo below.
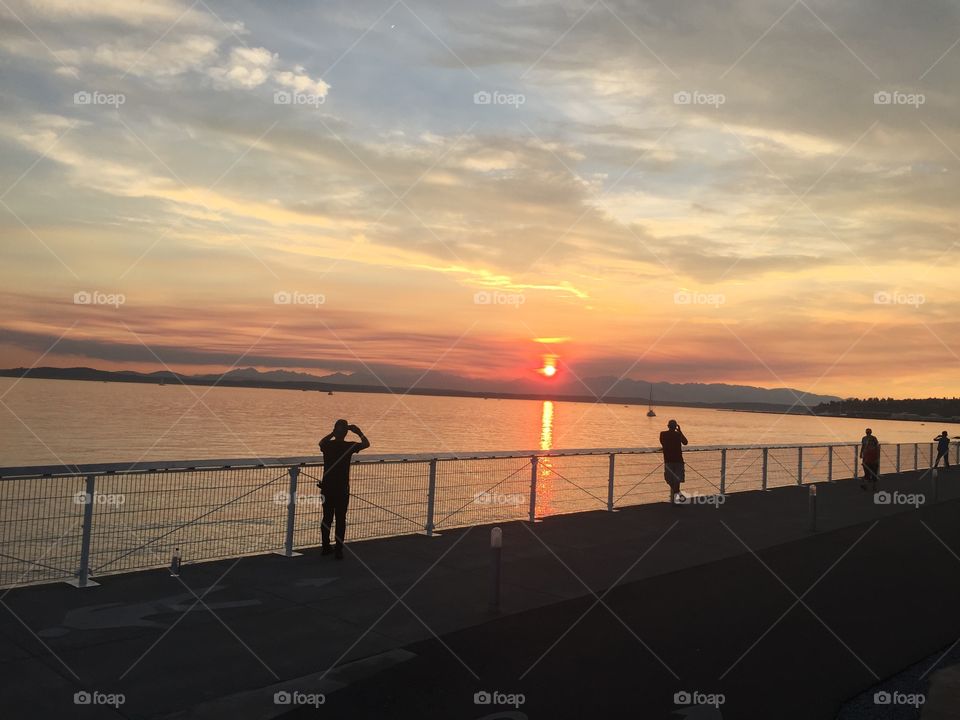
(599, 196)
(247, 68)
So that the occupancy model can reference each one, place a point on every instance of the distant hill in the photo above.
(609, 389)
(905, 409)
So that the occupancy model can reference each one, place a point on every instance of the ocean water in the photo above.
(72, 422)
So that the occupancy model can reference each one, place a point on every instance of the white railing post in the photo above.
(431, 498)
(916, 456)
(613, 460)
(765, 468)
(291, 513)
(83, 574)
(898, 457)
(800, 466)
(931, 454)
(723, 471)
(856, 468)
(829, 463)
(533, 488)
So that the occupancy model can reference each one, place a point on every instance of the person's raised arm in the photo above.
(683, 438)
(364, 443)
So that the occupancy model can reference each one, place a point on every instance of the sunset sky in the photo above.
(324, 187)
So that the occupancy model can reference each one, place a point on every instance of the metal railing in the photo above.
(73, 523)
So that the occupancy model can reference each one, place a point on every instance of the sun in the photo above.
(549, 368)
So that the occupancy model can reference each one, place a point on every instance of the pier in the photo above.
(615, 612)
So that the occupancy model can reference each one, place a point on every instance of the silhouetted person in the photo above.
(672, 441)
(943, 449)
(870, 457)
(335, 485)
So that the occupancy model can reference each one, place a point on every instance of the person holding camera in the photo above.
(672, 441)
(335, 484)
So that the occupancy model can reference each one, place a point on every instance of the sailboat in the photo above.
(650, 412)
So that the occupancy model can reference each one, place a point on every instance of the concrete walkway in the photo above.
(405, 626)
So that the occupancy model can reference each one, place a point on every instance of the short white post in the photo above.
(800, 466)
(856, 468)
(916, 456)
(829, 463)
(898, 457)
(813, 507)
(496, 560)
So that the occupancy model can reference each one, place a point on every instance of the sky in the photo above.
(748, 192)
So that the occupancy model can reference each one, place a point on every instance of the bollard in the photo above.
(813, 508)
(175, 563)
(496, 552)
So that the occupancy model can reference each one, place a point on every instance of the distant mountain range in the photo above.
(609, 389)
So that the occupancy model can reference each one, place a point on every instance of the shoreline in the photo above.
(119, 377)
(748, 407)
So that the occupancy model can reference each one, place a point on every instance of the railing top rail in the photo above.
(119, 468)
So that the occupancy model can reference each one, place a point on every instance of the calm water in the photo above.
(54, 421)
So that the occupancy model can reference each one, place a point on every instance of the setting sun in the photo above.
(549, 367)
